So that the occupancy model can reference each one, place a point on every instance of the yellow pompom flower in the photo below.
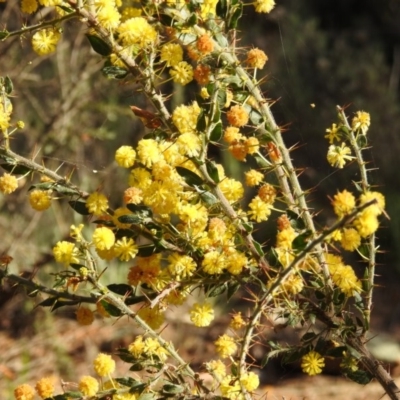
(332, 134)
(133, 195)
(125, 156)
(148, 152)
(201, 315)
(217, 368)
(230, 388)
(264, 6)
(45, 41)
(125, 249)
(237, 321)
(108, 17)
(232, 134)
(213, 263)
(366, 223)
(66, 253)
(40, 200)
(267, 193)
(235, 261)
(181, 266)
(237, 116)
(185, 118)
(312, 363)
(104, 365)
(344, 277)
(88, 385)
(97, 203)
(338, 155)
(225, 346)
(154, 317)
(208, 7)
(84, 316)
(256, 58)
(259, 210)
(136, 348)
(137, 31)
(130, 12)
(103, 238)
(29, 6)
(343, 203)
(171, 54)
(250, 381)
(351, 239)
(45, 387)
(361, 121)
(24, 392)
(253, 177)
(8, 184)
(377, 208)
(182, 73)
(252, 145)
(232, 189)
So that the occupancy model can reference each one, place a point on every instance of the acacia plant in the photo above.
(184, 228)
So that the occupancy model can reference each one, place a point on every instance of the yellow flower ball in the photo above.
(88, 385)
(40, 200)
(103, 238)
(8, 183)
(104, 365)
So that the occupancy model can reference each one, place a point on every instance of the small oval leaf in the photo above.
(99, 45)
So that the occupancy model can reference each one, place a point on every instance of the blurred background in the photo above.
(321, 52)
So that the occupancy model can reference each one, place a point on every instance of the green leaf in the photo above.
(191, 178)
(222, 9)
(300, 242)
(336, 352)
(208, 198)
(201, 122)
(216, 133)
(114, 72)
(217, 112)
(4, 34)
(233, 287)
(259, 249)
(362, 141)
(120, 288)
(212, 170)
(295, 355)
(192, 20)
(138, 387)
(137, 367)
(308, 337)
(147, 250)
(272, 258)
(295, 220)
(255, 117)
(359, 376)
(130, 219)
(215, 290)
(126, 381)
(99, 45)
(8, 85)
(111, 309)
(79, 207)
(236, 16)
(15, 169)
(170, 389)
